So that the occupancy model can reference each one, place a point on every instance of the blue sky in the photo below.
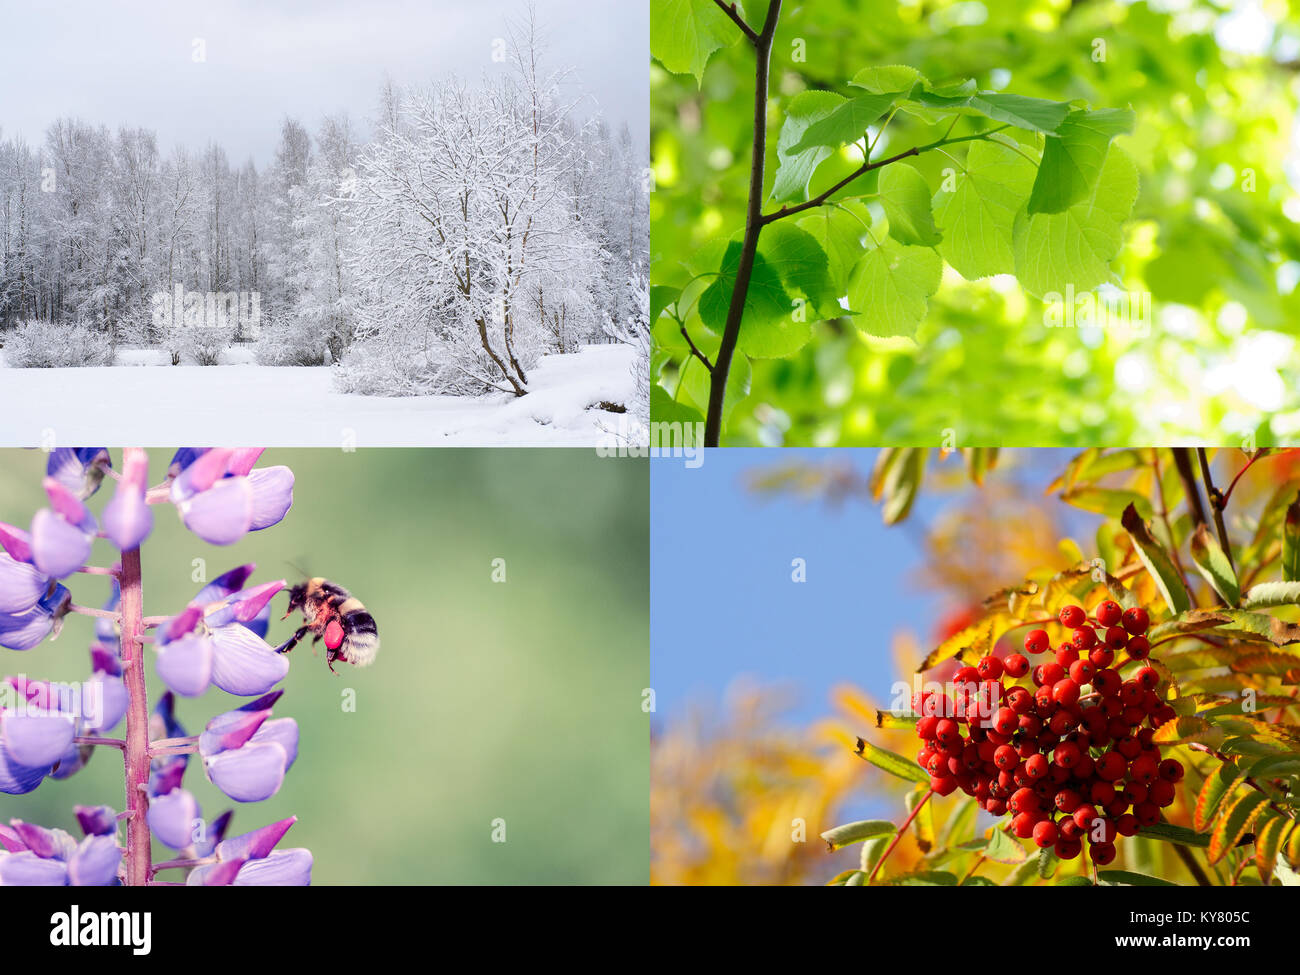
(723, 603)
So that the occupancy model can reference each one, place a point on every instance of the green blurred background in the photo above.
(1215, 235)
(519, 700)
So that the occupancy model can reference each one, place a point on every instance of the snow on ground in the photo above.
(297, 407)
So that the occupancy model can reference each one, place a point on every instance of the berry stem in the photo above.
(899, 835)
(136, 753)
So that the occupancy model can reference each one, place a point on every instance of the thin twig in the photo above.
(730, 10)
(1216, 505)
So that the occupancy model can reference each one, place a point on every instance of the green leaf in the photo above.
(1157, 561)
(1038, 114)
(1291, 542)
(683, 33)
(891, 762)
(1125, 878)
(1003, 849)
(1213, 564)
(1057, 252)
(768, 329)
(1233, 821)
(795, 169)
(902, 483)
(1271, 594)
(846, 123)
(1108, 501)
(905, 196)
(850, 833)
(891, 287)
(839, 230)
(888, 78)
(802, 265)
(978, 216)
(661, 296)
(1073, 158)
(665, 409)
(1175, 834)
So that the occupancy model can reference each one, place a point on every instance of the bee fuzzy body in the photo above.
(332, 614)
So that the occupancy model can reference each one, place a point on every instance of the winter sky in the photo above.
(133, 63)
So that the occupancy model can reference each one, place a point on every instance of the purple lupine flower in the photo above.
(245, 755)
(220, 497)
(61, 535)
(252, 860)
(22, 631)
(36, 856)
(21, 585)
(79, 469)
(215, 643)
(128, 519)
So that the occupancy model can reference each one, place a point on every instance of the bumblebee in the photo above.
(334, 615)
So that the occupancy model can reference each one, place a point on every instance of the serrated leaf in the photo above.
(1291, 542)
(1271, 594)
(1129, 879)
(661, 296)
(1213, 564)
(891, 287)
(1234, 819)
(1157, 561)
(1037, 114)
(1184, 730)
(1073, 158)
(978, 217)
(1268, 838)
(1047, 864)
(891, 762)
(1056, 252)
(1003, 849)
(846, 123)
(839, 231)
(768, 328)
(888, 78)
(684, 33)
(1169, 833)
(850, 833)
(1107, 501)
(795, 168)
(905, 196)
(890, 720)
(1217, 785)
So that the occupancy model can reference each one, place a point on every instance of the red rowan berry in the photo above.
(1072, 617)
(1135, 620)
(1037, 641)
(1109, 613)
(1045, 833)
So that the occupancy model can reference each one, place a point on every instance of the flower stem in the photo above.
(138, 853)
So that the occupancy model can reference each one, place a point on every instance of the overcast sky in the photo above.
(133, 63)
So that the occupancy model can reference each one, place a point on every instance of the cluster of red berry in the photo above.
(1069, 759)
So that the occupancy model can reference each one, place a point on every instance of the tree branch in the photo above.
(1216, 505)
(866, 167)
(753, 226)
(730, 10)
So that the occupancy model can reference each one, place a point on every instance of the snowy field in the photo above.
(163, 405)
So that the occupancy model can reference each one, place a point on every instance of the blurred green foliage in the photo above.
(519, 700)
(1214, 238)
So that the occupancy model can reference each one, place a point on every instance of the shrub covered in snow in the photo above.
(38, 344)
(289, 341)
